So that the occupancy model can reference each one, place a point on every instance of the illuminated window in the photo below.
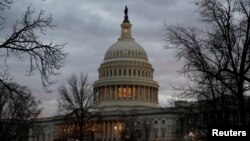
(119, 93)
(125, 30)
(129, 93)
(125, 93)
(119, 126)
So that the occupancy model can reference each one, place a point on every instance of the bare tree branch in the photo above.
(216, 59)
(76, 100)
(25, 43)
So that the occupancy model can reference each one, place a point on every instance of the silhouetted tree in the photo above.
(137, 129)
(16, 109)
(24, 42)
(76, 99)
(217, 57)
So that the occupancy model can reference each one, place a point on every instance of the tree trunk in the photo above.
(81, 132)
(242, 109)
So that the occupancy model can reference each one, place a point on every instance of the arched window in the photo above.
(124, 72)
(129, 72)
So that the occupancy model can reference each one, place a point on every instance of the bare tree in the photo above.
(136, 129)
(16, 109)
(217, 57)
(76, 99)
(25, 43)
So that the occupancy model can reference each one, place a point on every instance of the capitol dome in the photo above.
(126, 48)
(125, 76)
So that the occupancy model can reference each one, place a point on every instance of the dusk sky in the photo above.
(90, 27)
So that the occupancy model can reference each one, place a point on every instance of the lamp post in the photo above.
(192, 136)
(118, 129)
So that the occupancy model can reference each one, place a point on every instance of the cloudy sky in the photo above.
(90, 27)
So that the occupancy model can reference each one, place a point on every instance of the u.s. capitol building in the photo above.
(125, 92)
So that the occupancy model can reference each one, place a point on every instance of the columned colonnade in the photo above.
(126, 92)
(106, 130)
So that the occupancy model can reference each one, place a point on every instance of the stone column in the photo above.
(126, 91)
(122, 92)
(148, 94)
(143, 93)
(110, 93)
(133, 92)
(94, 129)
(156, 95)
(152, 94)
(108, 132)
(116, 92)
(139, 92)
(100, 94)
(116, 131)
(103, 131)
(112, 130)
(106, 93)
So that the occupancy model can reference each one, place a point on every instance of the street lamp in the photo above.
(118, 129)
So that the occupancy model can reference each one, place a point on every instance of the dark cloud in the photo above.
(89, 27)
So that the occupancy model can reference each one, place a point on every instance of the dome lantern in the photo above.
(126, 26)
